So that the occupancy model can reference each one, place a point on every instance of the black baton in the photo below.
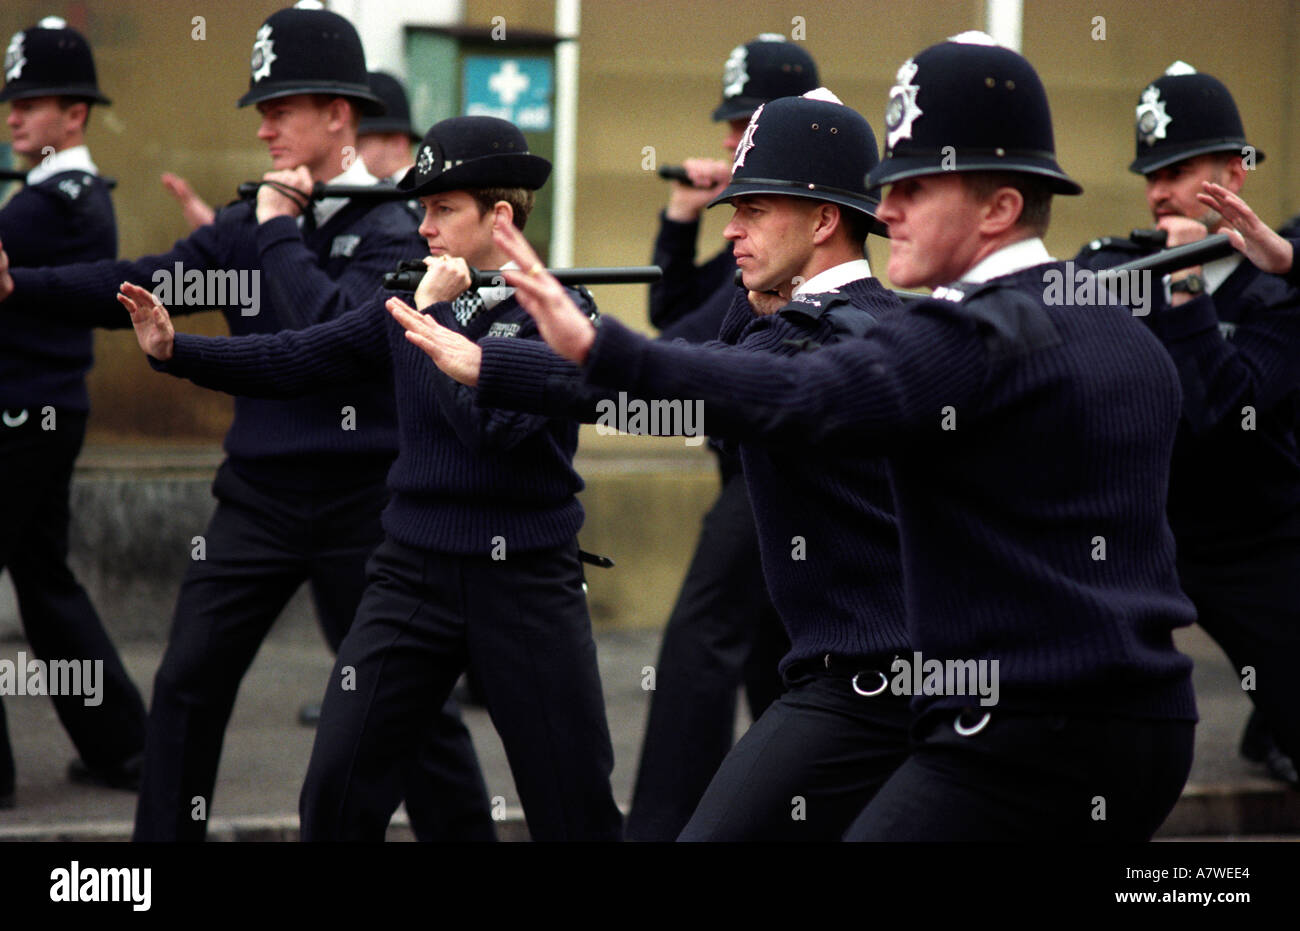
(1170, 260)
(678, 173)
(321, 191)
(408, 275)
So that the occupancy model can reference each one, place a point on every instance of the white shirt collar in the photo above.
(1216, 273)
(830, 279)
(494, 296)
(357, 176)
(76, 158)
(1025, 253)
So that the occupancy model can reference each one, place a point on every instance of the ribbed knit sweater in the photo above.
(1029, 454)
(467, 480)
(67, 217)
(826, 532)
(1236, 467)
(303, 278)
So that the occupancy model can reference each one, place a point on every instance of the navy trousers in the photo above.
(811, 762)
(1246, 588)
(57, 616)
(260, 546)
(520, 624)
(723, 633)
(1032, 777)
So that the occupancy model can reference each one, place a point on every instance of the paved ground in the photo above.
(266, 749)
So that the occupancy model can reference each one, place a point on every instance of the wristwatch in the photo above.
(1193, 284)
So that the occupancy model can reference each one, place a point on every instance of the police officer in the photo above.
(299, 495)
(723, 630)
(479, 566)
(1028, 449)
(63, 215)
(1233, 332)
(383, 144)
(825, 522)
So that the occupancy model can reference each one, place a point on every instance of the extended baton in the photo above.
(321, 191)
(408, 275)
(1170, 260)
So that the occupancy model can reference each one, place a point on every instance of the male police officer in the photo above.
(480, 562)
(299, 496)
(1028, 448)
(1233, 333)
(63, 215)
(723, 630)
(383, 144)
(825, 521)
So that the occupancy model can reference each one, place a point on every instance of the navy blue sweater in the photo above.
(1234, 349)
(1063, 420)
(68, 217)
(826, 531)
(304, 279)
(464, 476)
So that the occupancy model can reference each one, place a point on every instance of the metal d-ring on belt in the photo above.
(971, 730)
(861, 679)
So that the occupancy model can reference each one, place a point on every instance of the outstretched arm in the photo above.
(896, 379)
(287, 364)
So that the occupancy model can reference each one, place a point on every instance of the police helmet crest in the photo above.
(969, 104)
(811, 146)
(1182, 114)
(306, 49)
(767, 67)
(50, 60)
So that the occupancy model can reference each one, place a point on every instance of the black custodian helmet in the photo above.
(473, 152)
(763, 69)
(50, 60)
(1184, 114)
(397, 111)
(309, 50)
(811, 146)
(969, 104)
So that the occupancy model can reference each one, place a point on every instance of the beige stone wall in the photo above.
(650, 74)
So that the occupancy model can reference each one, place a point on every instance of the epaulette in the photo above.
(847, 320)
(70, 185)
(1014, 323)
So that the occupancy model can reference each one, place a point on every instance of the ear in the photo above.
(1002, 211)
(826, 220)
(1233, 174)
(75, 115)
(502, 213)
(338, 114)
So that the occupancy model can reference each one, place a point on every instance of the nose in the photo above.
(1157, 192)
(888, 211)
(733, 230)
(265, 131)
(13, 120)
